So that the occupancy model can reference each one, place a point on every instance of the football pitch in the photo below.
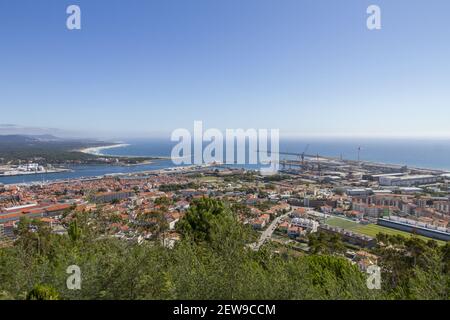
(370, 229)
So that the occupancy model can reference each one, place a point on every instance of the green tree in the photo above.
(430, 282)
(325, 243)
(200, 217)
(74, 231)
(43, 292)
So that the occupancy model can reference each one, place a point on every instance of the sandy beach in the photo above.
(98, 150)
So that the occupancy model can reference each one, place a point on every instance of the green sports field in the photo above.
(371, 229)
(208, 179)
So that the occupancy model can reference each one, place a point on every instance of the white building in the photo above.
(30, 167)
(408, 180)
(308, 224)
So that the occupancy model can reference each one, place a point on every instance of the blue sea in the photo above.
(423, 153)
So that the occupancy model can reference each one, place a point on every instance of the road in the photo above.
(266, 234)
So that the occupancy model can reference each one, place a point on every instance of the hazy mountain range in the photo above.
(42, 132)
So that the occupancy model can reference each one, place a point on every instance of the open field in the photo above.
(208, 179)
(371, 229)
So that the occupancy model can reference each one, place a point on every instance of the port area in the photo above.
(28, 169)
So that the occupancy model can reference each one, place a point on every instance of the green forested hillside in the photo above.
(212, 261)
(53, 150)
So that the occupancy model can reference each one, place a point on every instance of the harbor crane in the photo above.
(303, 154)
(301, 157)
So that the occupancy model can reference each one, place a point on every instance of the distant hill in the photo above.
(14, 129)
(45, 137)
(8, 139)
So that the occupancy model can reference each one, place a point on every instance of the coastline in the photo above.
(15, 173)
(139, 165)
(97, 151)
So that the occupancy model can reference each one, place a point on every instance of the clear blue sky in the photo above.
(303, 66)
